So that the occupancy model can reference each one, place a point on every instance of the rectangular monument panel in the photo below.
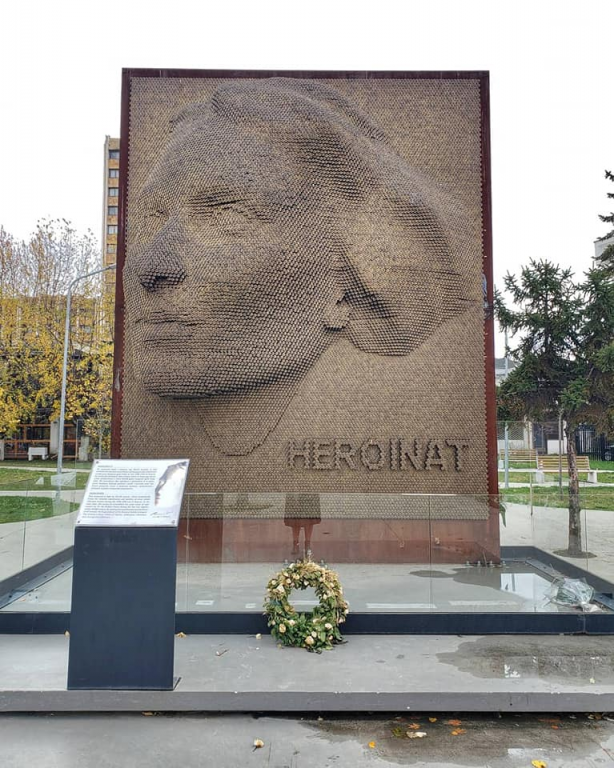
(305, 295)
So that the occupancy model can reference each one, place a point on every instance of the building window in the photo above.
(111, 248)
(113, 192)
(114, 154)
(112, 229)
(114, 173)
(112, 210)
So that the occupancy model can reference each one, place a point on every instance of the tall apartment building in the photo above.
(110, 208)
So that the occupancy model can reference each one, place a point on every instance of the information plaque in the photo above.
(122, 626)
(145, 492)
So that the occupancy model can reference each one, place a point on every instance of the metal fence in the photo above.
(548, 437)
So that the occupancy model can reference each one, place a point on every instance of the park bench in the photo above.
(551, 464)
(527, 455)
(37, 451)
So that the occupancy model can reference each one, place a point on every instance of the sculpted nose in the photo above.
(159, 267)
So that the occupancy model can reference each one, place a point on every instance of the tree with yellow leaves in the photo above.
(34, 278)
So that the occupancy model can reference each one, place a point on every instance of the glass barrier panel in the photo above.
(14, 485)
(48, 507)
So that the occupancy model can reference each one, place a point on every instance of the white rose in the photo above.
(314, 634)
(280, 589)
(309, 641)
(292, 622)
(328, 625)
(282, 628)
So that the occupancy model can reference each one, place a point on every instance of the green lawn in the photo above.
(590, 498)
(49, 464)
(552, 477)
(15, 479)
(16, 509)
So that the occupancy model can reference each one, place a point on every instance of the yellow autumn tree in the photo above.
(34, 279)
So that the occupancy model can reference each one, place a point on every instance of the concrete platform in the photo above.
(369, 674)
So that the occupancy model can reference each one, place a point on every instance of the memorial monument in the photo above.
(304, 304)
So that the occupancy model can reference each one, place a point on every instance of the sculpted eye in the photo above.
(222, 210)
(152, 222)
(211, 202)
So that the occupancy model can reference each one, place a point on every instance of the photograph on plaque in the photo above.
(139, 492)
(305, 291)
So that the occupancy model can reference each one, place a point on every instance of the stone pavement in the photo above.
(214, 741)
(371, 673)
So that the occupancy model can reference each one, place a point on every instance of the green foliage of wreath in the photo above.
(316, 631)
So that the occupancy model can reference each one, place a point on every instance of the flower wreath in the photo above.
(315, 631)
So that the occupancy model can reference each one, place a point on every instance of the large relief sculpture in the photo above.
(276, 221)
(304, 283)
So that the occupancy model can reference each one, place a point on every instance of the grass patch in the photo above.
(607, 465)
(17, 509)
(49, 464)
(14, 476)
(590, 498)
(552, 477)
(12, 479)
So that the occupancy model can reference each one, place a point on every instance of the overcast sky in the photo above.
(552, 111)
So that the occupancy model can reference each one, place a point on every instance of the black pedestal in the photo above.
(122, 626)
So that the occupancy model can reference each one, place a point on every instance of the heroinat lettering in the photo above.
(393, 454)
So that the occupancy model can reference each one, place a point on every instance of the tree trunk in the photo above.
(575, 519)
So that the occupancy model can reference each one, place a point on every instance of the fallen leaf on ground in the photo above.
(258, 636)
(416, 734)
(592, 681)
(549, 719)
(432, 719)
(458, 731)
(221, 653)
(147, 714)
(258, 743)
(538, 764)
(453, 722)
(371, 745)
(414, 726)
(181, 634)
(554, 727)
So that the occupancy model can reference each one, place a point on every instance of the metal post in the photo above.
(507, 455)
(560, 454)
(65, 368)
(531, 494)
(507, 431)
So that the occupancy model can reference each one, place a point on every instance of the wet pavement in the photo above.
(371, 673)
(150, 740)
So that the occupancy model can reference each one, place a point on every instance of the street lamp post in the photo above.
(65, 366)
